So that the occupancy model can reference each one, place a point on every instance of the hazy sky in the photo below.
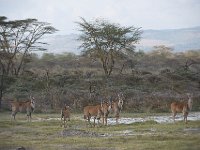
(148, 14)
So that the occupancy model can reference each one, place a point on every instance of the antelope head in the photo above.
(67, 107)
(32, 102)
(101, 103)
(190, 101)
(121, 101)
(110, 105)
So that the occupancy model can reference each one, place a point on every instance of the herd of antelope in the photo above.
(99, 111)
(103, 109)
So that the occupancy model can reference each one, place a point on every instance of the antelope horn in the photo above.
(101, 103)
(110, 100)
(118, 95)
(188, 95)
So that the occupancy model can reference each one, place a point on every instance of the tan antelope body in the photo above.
(97, 111)
(183, 107)
(27, 106)
(117, 106)
(105, 110)
(65, 115)
(92, 111)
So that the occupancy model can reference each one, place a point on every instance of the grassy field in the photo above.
(44, 133)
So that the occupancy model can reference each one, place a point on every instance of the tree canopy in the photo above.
(18, 38)
(107, 41)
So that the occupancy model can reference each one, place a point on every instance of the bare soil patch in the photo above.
(77, 132)
(192, 130)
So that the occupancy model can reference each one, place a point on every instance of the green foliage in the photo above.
(162, 51)
(107, 41)
(148, 82)
(18, 38)
(48, 57)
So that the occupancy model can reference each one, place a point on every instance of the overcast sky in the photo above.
(148, 14)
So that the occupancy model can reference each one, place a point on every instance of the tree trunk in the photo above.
(105, 67)
(1, 88)
(122, 68)
(1, 95)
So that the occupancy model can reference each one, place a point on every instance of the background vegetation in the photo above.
(149, 81)
(108, 65)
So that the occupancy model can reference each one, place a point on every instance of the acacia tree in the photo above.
(17, 39)
(107, 41)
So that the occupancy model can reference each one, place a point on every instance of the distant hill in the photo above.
(178, 39)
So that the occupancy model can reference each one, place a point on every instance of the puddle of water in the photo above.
(132, 132)
(160, 119)
(192, 130)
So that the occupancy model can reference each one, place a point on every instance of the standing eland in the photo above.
(65, 114)
(116, 106)
(27, 106)
(97, 111)
(183, 107)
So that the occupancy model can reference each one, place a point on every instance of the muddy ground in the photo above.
(111, 121)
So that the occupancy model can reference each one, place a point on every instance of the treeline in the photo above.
(149, 80)
(108, 64)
